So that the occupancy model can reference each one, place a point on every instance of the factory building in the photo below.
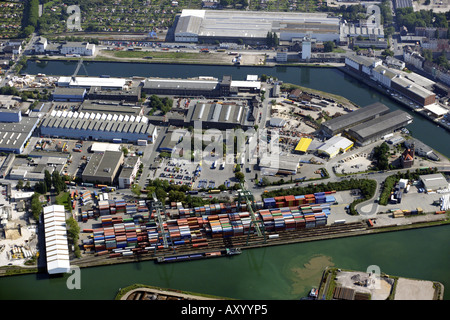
(14, 135)
(129, 171)
(88, 82)
(377, 128)
(334, 146)
(340, 124)
(182, 87)
(434, 182)
(361, 64)
(132, 94)
(219, 115)
(252, 26)
(276, 164)
(69, 94)
(56, 244)
(103, 167)
(10, 116)
(416, 93)
(98, 126)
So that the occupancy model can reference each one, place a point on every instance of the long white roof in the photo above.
(56, 245)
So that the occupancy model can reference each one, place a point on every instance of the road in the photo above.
(26, 48)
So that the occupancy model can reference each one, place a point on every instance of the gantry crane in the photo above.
(159, 208)
(246, 196)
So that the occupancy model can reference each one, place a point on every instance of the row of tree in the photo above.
(30, 17)
(51, 180)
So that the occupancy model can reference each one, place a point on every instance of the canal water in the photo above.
(275, 273)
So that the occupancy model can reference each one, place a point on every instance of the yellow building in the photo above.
(303, 145)
(335, 145)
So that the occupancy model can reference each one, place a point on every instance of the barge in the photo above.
(198, 256)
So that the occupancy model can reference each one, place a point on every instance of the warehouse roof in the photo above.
(434, 181)
(69, 91)
(303, 144)
(180, 84)
(87, 82)
(222, 112)
(253, 24)
(101, 164)
(274, 163)
(411, 86)
(335, 145)
(355, 117)
(391, 120)
(14, 135)
(56, 245)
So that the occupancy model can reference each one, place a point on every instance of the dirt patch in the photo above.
(408, 289)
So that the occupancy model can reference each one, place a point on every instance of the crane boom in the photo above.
(157, 206)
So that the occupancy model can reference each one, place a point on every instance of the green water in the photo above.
(274, 273)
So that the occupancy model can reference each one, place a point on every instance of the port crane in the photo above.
(246, 196)
(158, 207)
(79, 64)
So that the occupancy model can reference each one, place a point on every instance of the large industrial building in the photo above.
(69, 94)
(340, 124)
(200, 87)
(377, 128)
(132, 94)
(335, 145)
(56, 244)
(252, 26)
(103, 167)
(434, 182)
(275, 164)
(88, 82)
(98, 126)
(416, 93)
(14, 135)
(219, 115)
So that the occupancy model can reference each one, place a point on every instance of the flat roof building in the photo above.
(14, 135)
(335, 145)
(276, 164)
(413, 91)
(69, 94)
(219, 115)
(339, 124)
(303, 145)
(88, 82)
(103, 167)
(434, 182)
(375, 129)
(56, 244)
(253, 26)
(129, 171)
(98, 126)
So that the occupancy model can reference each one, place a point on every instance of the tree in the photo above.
(48, 180)
(240, 176)
(329, 46)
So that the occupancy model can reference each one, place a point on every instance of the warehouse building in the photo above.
(275, 164)
(361, 64)
(10, 116)
(219, 115)
(434, 182)
(415, 92)
(56, 244)
(303, 145)
(383, 75)
(111, 107)
(252, 26)
(98, 126)
(88, 82)
(103, 167)
(334, 146)
(182, 87)
(377, 128)
(14, 135)
(132, 94)
(69, 94)
(340, 124)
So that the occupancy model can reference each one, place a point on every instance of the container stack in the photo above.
(131, 208)
(130, 231)
(103, 207)
(269, 203)
(227, 229)
(319, 197)
(120, 206)
(106, 221)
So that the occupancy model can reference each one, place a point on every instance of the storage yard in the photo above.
(123, 231)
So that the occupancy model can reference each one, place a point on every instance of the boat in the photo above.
(197, 256)
(313, 293)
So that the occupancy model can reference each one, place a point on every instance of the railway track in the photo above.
(244, 241)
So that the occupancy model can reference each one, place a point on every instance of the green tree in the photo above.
(240, 176)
